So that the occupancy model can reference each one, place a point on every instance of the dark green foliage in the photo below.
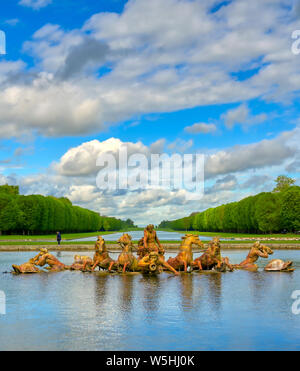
(290, 209)
(37, 214)
(12, 190)
(283, 182)
(267, 212)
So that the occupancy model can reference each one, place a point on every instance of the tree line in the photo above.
(267, 212)
(36, 214)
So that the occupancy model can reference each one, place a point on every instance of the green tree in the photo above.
(283, 182)
(290, 209)
(268, 212)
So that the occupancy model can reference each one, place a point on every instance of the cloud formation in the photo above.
(201, 128)
(258, 155)
(155, 58)
(241, 115)
(35, 4)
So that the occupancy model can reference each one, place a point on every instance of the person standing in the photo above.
(58, 237)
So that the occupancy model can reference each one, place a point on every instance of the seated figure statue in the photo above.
(153, 250)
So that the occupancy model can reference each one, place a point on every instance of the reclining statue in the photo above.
(54, 264)
(185, 257)
(212, 258)
(257, 251)
(28, 267)
(82, 263)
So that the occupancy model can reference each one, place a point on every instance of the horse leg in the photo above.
(169, 267)
(199, 265)
(94, 266)
(226, 261)
(124, 267)
(111, 265)
(185, 265)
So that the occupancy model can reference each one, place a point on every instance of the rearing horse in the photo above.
(101, 256)
(212, 258)
(126, 259)
(185, 257)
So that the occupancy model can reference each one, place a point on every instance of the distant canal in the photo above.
(77, 311)
(137, 235)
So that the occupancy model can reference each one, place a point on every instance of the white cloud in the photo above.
(157, 60)
(180, 145)
(230, 175)
(241, 115)
(81, 160)
(265, 153)
(35, 4)
(201, 128)
(12, 22)
(9, 68)
(83, 194)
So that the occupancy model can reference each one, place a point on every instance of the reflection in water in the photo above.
(214, 281)
(101, 282)
(257, 282)
(194, 311)
(186, 283)
(126, 293)
(150, 290)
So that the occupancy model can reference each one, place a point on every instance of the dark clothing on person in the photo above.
(58, 237)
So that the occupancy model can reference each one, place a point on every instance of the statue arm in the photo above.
(41, 261)
(262, 254)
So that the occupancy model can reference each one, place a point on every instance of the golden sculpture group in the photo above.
(151, 258)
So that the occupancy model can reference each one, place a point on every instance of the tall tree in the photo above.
(283, 182)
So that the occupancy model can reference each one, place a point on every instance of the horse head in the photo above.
(125, 241)
(214, 246)
(100, 244)
(192, 239)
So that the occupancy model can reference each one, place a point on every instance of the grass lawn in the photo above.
(52, 236)
(67, 236)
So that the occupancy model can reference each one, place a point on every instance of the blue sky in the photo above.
(181, 75)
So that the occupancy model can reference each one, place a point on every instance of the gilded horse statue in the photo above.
(101, 257)
(185, 257)
(126, 260)
(212, 258)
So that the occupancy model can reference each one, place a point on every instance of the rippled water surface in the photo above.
(77, 311)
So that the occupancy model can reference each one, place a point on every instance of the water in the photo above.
(77, 311)
(137, 235)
